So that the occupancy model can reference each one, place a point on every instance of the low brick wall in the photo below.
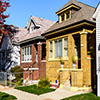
(75, 76)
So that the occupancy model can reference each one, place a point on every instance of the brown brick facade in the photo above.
(34, 74)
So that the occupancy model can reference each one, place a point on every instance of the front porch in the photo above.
(72, 79)
(82, 54)
(80, 50)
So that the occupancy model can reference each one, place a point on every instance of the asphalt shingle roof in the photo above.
(85, 13)
(44, 25)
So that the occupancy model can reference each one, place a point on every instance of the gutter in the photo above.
(62, 28)
(31, 39)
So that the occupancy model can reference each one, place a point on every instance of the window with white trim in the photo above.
(27, 53)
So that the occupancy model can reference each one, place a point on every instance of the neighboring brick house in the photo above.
(96, 16)
(33, 50)
(9, 48)
(72, 40)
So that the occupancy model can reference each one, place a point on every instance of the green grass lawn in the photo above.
(87, 96)
(5, 96)
(35, 90)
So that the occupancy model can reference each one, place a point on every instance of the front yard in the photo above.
(87, 96)
(35, 89)
(5, 96)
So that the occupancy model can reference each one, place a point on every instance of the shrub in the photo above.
(44, 83)
(19, 82)
(18, 71)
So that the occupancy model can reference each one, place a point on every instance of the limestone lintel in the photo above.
(39, 43)
(84, 32)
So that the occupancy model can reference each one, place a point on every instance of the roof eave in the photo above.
(82, 21)
(31, 39)
(68, 7)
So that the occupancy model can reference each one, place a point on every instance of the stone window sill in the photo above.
(26, 61)
(58, 59)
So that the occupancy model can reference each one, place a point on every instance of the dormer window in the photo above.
(62, 17)
(67, 12)
(66, 15)
(32, 28)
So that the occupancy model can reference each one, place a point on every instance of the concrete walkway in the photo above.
(56, 95)
(20, 95)
(59, 94)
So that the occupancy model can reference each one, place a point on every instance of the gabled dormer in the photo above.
(32, 25)
(67, 11)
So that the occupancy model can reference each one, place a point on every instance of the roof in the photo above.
(19, 34)
(85, 13)
(96, 11)
(44, 24)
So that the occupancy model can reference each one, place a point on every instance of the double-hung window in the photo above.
(51, 49)
(65, 47)
(27, 54)
(58, 48)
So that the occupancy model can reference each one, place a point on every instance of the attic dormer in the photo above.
(66, 13)
(32, 26)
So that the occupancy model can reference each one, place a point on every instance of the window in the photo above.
(68, 15)
(66, 46)
(36, 50)
(43, 52)
(58, 48)
(62, 17)
(76, 51)
(51, 49)
(32, 28)
(27, 53)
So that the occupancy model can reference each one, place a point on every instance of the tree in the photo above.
(4, 29)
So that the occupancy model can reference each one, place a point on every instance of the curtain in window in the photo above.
(66, 46)
(58, 48)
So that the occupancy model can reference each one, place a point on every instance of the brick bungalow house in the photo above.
(96, 17)
(33, 50)
(71, 40)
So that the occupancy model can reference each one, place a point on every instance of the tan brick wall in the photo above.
(77, 78)
(85, 63)
(52, 66)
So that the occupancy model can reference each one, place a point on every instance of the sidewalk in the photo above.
(56, 95)
(20, 95)
(59, 94)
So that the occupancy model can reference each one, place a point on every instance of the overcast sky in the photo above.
(21, 10)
